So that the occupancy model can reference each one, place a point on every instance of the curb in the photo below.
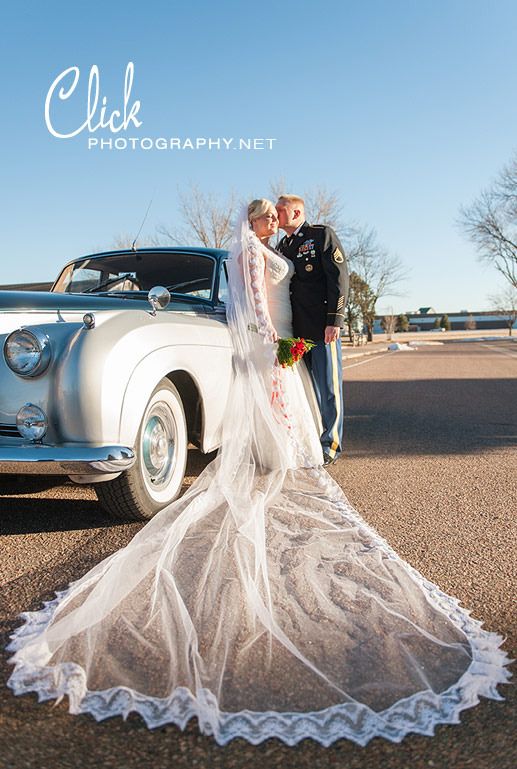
(350, 355)
(361, 354)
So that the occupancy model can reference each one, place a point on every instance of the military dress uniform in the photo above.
(319, 292)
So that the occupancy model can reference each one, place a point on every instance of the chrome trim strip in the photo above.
(72, 459)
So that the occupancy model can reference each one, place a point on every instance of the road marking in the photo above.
(501, 352)
(368, 359)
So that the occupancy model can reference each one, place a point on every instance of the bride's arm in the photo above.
(257, 272)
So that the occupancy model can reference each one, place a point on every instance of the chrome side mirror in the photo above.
(159, 298)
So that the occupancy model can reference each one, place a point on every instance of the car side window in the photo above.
(223, 283)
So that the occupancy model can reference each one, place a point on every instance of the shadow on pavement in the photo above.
(29, 515)
(429, 416)
(22, 513)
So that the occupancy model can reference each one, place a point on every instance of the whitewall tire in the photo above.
(156, 478)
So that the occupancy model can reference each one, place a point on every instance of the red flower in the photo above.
(290, 350)
(298, 349)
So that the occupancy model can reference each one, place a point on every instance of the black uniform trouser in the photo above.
(325, 364)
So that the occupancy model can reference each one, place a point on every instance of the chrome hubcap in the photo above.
(158, 445)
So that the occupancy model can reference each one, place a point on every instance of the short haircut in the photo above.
(296, 199)
(259, 207)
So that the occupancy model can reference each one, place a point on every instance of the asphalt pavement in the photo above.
(430, 461)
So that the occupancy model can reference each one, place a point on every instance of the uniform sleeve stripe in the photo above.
(337, 393)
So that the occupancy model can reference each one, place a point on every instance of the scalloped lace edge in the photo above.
(420, 713)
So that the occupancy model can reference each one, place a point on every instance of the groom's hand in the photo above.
(331, 334)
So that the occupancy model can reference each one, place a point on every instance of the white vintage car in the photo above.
(109, 376)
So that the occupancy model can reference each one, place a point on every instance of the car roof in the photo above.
(218, 253)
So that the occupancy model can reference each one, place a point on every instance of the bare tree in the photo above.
(322, 206)
(125, 240)
(381, 271)
(389, 323)
(204, 220)
(278, 187)
(470, 323)
(505, 304)
(491, 223)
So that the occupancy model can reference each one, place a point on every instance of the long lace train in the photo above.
(260, 686)
(260, 602)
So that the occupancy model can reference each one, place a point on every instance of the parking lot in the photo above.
(430, 461)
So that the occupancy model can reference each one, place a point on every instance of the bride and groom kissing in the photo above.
(261, 602)
(318, 288)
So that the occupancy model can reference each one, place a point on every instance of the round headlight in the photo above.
(27, 353)
(31, 422)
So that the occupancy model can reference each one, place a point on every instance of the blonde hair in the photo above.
(296, 199)
(259, 207)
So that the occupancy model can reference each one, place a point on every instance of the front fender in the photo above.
(111, 371)
(43, 390)
(154, 367)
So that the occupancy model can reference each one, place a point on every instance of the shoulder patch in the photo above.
(338, 256)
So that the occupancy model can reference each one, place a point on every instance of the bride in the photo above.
(261, 602)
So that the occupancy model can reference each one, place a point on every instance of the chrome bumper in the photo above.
(67, 459)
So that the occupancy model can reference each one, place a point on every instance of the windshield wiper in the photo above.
(186, 283)
(110, 282)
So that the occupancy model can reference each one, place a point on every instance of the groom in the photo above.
(319, 292)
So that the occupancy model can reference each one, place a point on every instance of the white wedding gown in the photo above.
(261, 602)
(297, 385)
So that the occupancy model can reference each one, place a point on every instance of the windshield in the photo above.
(182, 273)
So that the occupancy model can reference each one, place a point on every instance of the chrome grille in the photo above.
(9, 431)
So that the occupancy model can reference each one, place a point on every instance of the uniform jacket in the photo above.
(319, 287)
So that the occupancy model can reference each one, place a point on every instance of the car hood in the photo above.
(28, 308)
(47, 300)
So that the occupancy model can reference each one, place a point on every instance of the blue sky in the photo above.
(406, 108)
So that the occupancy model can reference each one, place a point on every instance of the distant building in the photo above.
(424, 320)
(425, 311)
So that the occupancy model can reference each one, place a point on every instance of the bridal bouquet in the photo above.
(290, 351)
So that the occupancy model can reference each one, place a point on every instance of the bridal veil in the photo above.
(260, 602)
